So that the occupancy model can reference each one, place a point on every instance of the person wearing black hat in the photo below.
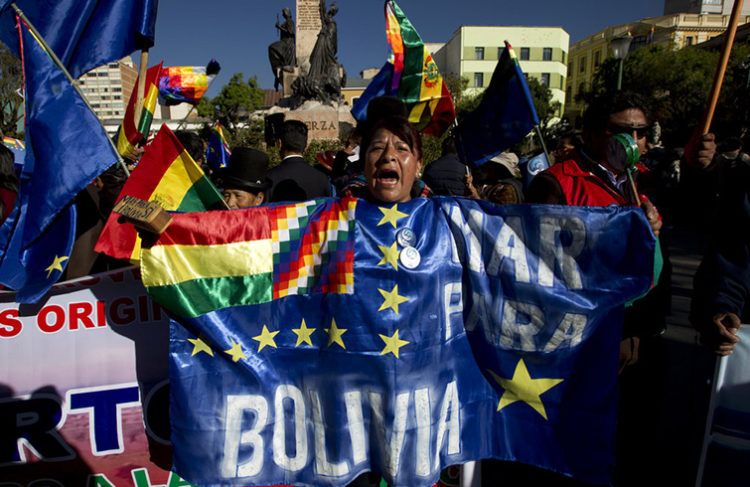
(244, 181)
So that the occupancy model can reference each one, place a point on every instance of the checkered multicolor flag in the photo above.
(313, 256)
(209, 261)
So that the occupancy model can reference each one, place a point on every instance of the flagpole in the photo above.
(62, 68)
(544, 145)
(184, 120)
(143, 69)
(722, 68)
(192, 109)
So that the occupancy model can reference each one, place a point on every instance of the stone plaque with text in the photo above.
(321, 124)
(308, 27)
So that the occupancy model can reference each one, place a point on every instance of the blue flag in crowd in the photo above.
(485, 332)
(217, 152)
(380, 85)
(504, 117)
(66, 149)
(84, 34)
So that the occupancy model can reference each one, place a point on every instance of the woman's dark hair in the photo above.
(398, 126)
(8, 178)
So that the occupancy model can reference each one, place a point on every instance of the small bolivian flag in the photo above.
(130, 134)
(167, 175)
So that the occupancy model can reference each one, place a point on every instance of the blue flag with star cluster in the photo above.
(66, 149)
(471, 331)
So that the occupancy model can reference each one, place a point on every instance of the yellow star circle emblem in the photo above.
(390, 255)
(56, 265)
(391, 215)
(523, 388)
(392, 344)
(334, 335)
(391, 300)
(303, 334)
(200, 346)
(266, 339)
(236, 352)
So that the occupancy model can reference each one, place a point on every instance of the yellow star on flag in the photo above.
(523, 388)
(335, 333)
(303, 334)
(200, 346)
(266, 338)
(391, 215)
(236, 352)
(390, 255)
(391, 299)
(56, 265)
(392, 344)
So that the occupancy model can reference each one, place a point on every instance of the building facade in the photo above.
(723, 7)
(473, 51)
(674, 31)
(108, 88)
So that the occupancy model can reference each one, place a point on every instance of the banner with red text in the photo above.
(84, 397)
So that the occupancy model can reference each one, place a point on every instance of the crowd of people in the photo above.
(382, 161)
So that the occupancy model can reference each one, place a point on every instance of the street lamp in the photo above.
(620, 47)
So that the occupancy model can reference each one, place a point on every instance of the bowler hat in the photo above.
(246, 171)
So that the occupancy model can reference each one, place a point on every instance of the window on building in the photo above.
(117, 90)
(571, 66)
(564, 57)
(582, 65)
(562, 83)
(114, 65)
(638, 42)
(569, 93)
(479, 53)
(581, 88)
(597, 58)
(545, 79)
(525, 54)
(547, 54)
(102, 74)
(689, 40)
(478, 80)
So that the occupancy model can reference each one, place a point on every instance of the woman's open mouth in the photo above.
(387, 178)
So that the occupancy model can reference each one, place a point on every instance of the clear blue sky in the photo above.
(237, 32)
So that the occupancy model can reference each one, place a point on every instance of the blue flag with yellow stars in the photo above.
(66, 149)
(314, 342)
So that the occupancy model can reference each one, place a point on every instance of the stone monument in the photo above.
(308, 26)
(312, 88)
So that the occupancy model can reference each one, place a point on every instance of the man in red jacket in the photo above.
(596, 175)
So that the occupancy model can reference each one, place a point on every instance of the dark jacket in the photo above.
(722, 283)
(295, 180)
(446, 176)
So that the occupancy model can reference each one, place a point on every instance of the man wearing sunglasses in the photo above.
(603, 172)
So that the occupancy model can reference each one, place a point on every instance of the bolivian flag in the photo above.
(416, 79)
(129, 135)
(167, 175)
(412, 76)
(205, 262)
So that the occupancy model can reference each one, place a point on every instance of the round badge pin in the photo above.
(410, 258)
(406, 237)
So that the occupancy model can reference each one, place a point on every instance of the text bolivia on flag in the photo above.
(168, 175)
(499, 342)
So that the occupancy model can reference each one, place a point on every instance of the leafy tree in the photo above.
(11, 102)
(234, 104)
(546, 107)
(676, 85)
(456, 85)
